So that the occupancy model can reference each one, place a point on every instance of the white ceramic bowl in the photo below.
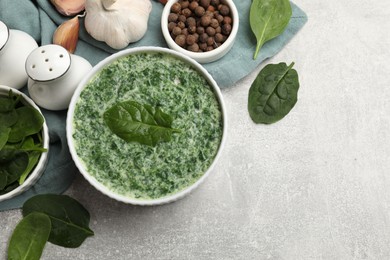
(70, 126)
(202, 57)
(40, 167)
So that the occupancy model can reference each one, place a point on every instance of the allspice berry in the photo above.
(203, 37)
(190, 40)
(176, 31)
(224, 10)
(196, 37)
(210, 41)
(184, 4)
(200, 30)
(176, 8)
(227, 19)
(194, 47)
(171, 25)
(219, 18)
(184, 31)
(193, 5)
(180, 40)
(192, 29)
(203, 46)
(214, 23)
(205, 20)
(181, 25)
(191, 21)
(172, 17)
(182, 18)
(210, 31)
(210, 8)
(204, 3)
(186, 12)
(218, 37)
(226, 29)
(200, 11)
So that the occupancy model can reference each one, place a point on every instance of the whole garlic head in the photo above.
(117, 22)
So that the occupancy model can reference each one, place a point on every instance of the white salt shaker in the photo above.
(54, 74)
(15, 46)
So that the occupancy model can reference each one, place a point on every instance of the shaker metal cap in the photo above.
(4, 34)
(48, 62)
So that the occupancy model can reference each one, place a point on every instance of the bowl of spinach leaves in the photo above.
(24, 143)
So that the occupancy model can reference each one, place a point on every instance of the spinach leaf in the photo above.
(30, 122)
(7, 153)
(29, 145)
(33, 158)
(134, 122)
(273, 93)
(8, 118)
(268, 19)
(29, 237)
(15, 168)
(22, 147)
(4, 133)
(69, 219)
(34, 153)
(6, 104)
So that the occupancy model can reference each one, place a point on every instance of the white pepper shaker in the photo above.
(54, 74)
(15, 46)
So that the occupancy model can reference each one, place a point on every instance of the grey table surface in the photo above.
(315, 185)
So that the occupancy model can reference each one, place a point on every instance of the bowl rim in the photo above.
(203, 57)
(69, 126)
(41, 165)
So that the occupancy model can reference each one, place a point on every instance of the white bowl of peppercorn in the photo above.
(204, 30)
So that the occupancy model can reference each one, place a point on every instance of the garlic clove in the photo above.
(69, 7)
(67, 34)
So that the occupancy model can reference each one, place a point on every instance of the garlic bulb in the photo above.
(117, 22)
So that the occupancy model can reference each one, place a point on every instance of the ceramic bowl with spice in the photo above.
(204, 30)
(155, 134)
(24, 143)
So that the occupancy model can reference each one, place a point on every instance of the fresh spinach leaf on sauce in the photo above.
(135, 122)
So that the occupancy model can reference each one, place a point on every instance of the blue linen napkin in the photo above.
(40, 19)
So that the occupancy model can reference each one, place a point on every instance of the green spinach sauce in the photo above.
(140, 171)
